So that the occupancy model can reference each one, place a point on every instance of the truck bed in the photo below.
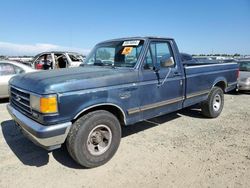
(194, 63)
(200, 77)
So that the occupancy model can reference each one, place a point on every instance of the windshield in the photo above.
(115, 54)
(245, 66)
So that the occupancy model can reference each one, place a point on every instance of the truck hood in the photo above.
(73, 79)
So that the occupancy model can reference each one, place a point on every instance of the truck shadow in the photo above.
(193, 111)
(32, 155)
(27, 152)
(4, 100)
(238, 93)
(62, 156)
(144, 125)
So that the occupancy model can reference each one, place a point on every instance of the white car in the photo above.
(57, 60)
(9, 69)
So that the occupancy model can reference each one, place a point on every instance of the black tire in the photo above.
(213, 106)
(82, 146)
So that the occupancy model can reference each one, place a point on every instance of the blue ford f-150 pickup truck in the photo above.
(122, 82)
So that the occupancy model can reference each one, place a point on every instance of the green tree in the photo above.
(236, 55)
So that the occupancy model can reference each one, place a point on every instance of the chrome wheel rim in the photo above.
(217, 102)
(99, 140)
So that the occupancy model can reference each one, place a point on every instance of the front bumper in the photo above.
(48, 137)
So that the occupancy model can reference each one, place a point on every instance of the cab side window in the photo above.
(161, 50)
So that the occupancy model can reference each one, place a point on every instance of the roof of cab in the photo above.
(137, 38)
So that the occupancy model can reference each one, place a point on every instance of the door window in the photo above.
(76, 57)
(6, 69)
(43, 58)
(18, 70)
(161, 50)
(46, 60)
(61, 61)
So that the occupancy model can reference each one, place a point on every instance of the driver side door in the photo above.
(161, 88)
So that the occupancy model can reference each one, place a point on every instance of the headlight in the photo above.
(44, 105)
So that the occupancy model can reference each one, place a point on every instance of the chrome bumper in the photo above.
(244, 86)
(48, 137)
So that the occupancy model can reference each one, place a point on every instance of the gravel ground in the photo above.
(181, 149)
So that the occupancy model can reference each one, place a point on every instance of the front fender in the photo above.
(86, 108)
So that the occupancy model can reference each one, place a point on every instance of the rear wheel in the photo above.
(213, 106)
(94, 138)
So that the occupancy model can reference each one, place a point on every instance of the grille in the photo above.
(20, 100)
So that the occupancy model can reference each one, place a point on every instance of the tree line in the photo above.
(223, 55)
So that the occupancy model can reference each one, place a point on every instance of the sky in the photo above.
(28, 27)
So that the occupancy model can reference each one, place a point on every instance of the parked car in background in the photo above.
(57, 60)
(205, 60)
(227, 60)
(21, 59)
(187, 59)
(244, 77)
(8, 69)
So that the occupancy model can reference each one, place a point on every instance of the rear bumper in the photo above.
(48, 137)
(244, 86)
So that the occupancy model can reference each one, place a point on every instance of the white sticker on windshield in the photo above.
(131, 43)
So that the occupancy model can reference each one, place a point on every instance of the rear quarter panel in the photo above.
(201, 78)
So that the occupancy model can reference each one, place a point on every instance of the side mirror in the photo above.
(166, 61)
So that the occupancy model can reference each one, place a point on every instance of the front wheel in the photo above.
(213, 106)
(94, 138)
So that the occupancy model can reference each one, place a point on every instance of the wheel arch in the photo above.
(110, 107)
(221, 83)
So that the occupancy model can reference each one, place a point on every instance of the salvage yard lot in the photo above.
(176, 150)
